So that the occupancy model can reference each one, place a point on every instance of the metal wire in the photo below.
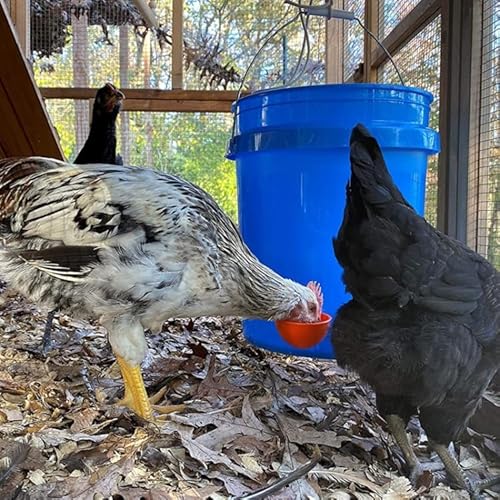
(296, 75)
(306, 45)
(266, 41)
(380, 44)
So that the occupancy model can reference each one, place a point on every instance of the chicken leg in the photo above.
(47, 332)
(136, 398)
(397, 427)
(457, 474)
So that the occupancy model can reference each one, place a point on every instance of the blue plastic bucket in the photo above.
(291, 148)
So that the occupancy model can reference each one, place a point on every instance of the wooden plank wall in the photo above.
(25, 127)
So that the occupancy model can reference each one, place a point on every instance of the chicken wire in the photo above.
(236, 29)
(74, 47)
(483, 224)
(391, 13)
(353, 38)
(419, 62)
(191, 145)
(78, 43)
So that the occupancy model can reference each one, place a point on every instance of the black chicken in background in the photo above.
(423, 324)
(100, 147)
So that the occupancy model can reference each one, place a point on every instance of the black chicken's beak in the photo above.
(115, 97)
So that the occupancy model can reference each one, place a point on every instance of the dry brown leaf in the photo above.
(83, 419)
(206, 456)
(214, 384)
(234, 486)
(298, 434)
(55, 437)
(104, 482)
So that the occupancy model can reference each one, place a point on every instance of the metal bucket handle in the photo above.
(304, 11)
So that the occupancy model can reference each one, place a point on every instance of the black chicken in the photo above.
(423, 325)
(100, 147)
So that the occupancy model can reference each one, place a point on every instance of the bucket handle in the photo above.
(324, 10)
(327, 11)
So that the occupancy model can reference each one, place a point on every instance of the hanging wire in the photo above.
(304, 13)
(266, 41)
(381, 45)
(327, 11)
(306, 44)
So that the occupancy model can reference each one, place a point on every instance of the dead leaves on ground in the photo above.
(252, 418)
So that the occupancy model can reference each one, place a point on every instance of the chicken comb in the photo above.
(316, 288)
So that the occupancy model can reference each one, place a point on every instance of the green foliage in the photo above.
(191, 145)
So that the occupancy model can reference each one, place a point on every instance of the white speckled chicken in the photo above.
(131, 247)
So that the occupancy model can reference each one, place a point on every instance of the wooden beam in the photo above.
(170, 105)
(423, 13)
(136, 93)
(29, 131)
(335, 47)
(156, 100)
(20, 15)
(177, 43)
(371, 22)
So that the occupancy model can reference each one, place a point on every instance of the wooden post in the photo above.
(371, 22)
(148, 118)
(20, 15)
(335, 47)
(454, 117)
(124, 83)
(177, 44)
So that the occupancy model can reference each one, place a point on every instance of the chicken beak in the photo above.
(115, 98)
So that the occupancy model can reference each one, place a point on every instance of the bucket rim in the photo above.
(382, 86)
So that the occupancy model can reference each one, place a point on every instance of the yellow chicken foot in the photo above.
(136, 397)
(398, 430)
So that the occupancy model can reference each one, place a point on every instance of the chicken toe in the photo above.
(136, 397)
(457, 474)
(164, 409)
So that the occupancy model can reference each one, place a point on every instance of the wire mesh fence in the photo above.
(192, 145)
(483, 224)
(84, 44)
(391, 13)
(353, 39)
(419, 64)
